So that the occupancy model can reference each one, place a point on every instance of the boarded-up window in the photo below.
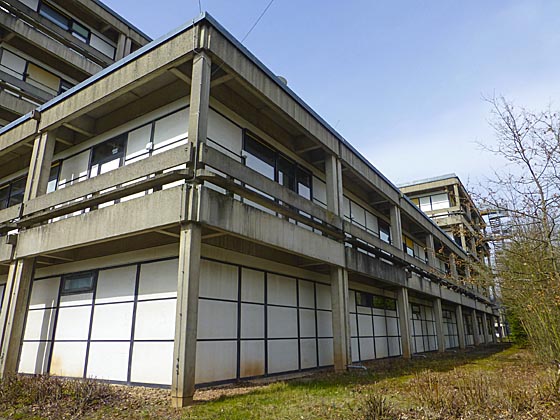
(42, 79)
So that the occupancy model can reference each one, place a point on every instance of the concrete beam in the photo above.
(374, 268)
(440, 331)
(13, 314)
(460, 326)
(229, 215)
(403, 307)
(153, 211)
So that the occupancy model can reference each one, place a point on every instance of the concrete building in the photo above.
(48, 46)
(208, 227)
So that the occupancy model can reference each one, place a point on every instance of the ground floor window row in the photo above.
(469, 330)
(374, 326)
(118, 323)
(422, 328)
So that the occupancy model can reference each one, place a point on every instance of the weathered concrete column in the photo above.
(339, 276)
(476, 336)
(453, 267)
(431, 250)
(200, 98)
(404, 321)
(438, 312)
(186, 322)
(396, 227)
(124, 46)
(341, 323)
(40, 165)
(460, 326)
(485, 327)
(14, 312)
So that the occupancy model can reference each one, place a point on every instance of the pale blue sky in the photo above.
(402, 81)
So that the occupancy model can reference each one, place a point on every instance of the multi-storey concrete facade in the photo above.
(210, 227)
(48, 46)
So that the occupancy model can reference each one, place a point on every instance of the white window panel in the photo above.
(306, 294)
(440, 201)
(425, 204)
(34, 357)
(252, 286)
(358, 214)
(73, 323)
(282, 322)
(281, 290)
(226, 134)
(251, 359)
(158, 280)
(39, 324)
(365, 326)
(68, 359)
(319, 192)
(308, 350)
(152, 363)
(325, 351)
(108, 361)
(216, 361)
(102, 46)
(44, 293)
(323, 296)
(218, 281)
(12, 64)
(217, 320)
(252, 321)
(74, 169)
(346, 205)
(155, 320)
(371, 223)
(381, 348)
(138, 143)
(116, 285)
(324, 324)
(171, 129)
(307, 323)
(112, 322)
(282, 356)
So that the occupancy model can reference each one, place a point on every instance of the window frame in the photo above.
(82, 290)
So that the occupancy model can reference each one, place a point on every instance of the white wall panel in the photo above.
(306, 294)
(155, 320)
(116, 285)
(323, 296)
(216, 361)
(381, 348)
(217, 319)
(352, 301)
(281, 290)
(101, 45)
(324, 324)
(218, 281)
(366, 348)
(77, 299)
(307, 323)
(252, 321)
(68, 359)
(112, 322)
(152, 363)
(325, 351)
(73, 168)
(379, 326)
(392, 326)
(282, 355)
(354, 349)
(353, 325)
(394, 346)
(225, 133)
(108, 361)
(158, 280)
(364, 325)
(308, 350)
(320, 191)
(252, 358)
(252, 285)
(172, 128)
(34, 357)
(73, 323)
(282, 322)
(138, 142)
(44, 293)
(39, 324)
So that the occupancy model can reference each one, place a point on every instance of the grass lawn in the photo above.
(494, 382)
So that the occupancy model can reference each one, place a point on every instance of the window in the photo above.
(78, 283)
(432, 202)
(54, 16)
(408, 245)
(107, 155)
(12, 192)
(80, 32)
(364, 299)
(384, 231)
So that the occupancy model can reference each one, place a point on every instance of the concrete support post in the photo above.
(403, 307)
(40, 166)
(186, 322)
(440, 332)
(460, 326)
(453, 267)
(495, 326)
(339, 276)
(200, 98)
(476, 336)
(13, 314)
(396, 227)
(431, 250)
(340, 319)
(124, 46)
(485, 327)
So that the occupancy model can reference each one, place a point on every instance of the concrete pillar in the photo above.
(404, 321)
(476, 336)
(485, 327)
(186, 322)
(494, 320)
(14, 312)
(200, 98)
(124, 46)
(453, 267)
(40, 166)
(339, 276)
(438, 312)
(335, 196)
(431, 250)
(396, 227)
(460, 326)
(340, 319)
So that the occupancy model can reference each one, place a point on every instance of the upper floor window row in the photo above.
(432, 202)
(35, 75)
(11, 193)
(77, 29)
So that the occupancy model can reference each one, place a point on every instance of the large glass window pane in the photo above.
(17, 191)
(440, 201)
(80, 32)
(4, 196)
(138, 144)
(259, 157)
(102, 46)
(425, 204)
(303, 183)
(384, 231)
(53, 178)
(171, 129)
(74, 169)
(12, 64)
(54, 16)
(286, 173)
(78, 283)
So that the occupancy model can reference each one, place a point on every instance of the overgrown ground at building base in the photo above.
(493, 382)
